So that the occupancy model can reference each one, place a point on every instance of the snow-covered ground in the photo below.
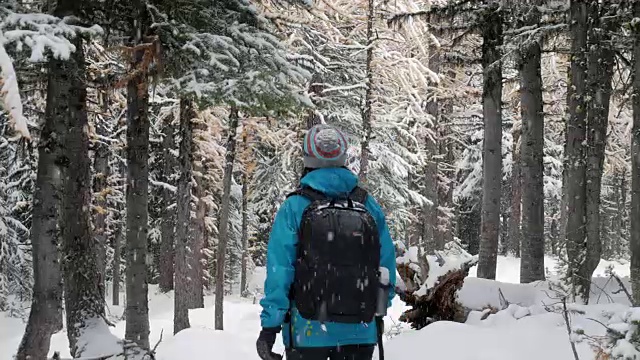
(525, 330)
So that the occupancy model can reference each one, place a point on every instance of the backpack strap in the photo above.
(310, 193)
(359, 195)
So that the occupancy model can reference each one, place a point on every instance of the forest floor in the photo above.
(530, 328)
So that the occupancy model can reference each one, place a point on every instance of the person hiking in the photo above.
(328, 250)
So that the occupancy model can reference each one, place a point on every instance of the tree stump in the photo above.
(430, 300)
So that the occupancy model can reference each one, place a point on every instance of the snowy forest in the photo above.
(146, 145)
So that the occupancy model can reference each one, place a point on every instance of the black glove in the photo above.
(265, 342)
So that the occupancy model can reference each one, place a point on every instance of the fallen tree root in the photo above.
(439, 302)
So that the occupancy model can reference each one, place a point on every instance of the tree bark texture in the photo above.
(137, 193)
(45, 316)
(635, 165)
(492, 144)
(514, 232)
(446, 185)
(118, 238)
(245, 225)
(167, 226)
(532, 155)
(183, 290)
(224, 219)
(601, 59)
(430, 212)
(100, 184)
(574, 147)
(620, 216)
(83, 288)
(197, 233)
(368, 98)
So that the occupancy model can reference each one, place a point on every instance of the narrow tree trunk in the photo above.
(167, 226)
(532, 154)
(137, 310)
(553, 232)
(574, 149)
(183, 295)
(100, 178)
(368, 98)
(634, 241)
(314, 117)
(430, 212)
(117, 276)
(621, 216)
(45, 317)
(601, 59)
(446, 222)
(197, 235)
(564, 213)
(492, 144)
(118, 237)
(224, 218)
(513, 242)
(83, 289)
(245, 210)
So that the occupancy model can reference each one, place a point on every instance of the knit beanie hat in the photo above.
(324, 146)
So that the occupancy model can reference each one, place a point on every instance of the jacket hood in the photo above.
(333, 182)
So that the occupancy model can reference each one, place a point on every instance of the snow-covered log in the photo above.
(432, 282)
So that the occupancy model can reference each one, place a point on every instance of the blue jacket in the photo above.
(281, 255)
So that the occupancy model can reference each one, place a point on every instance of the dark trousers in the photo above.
(346, 352)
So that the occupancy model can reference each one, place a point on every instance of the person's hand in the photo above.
(265, 342)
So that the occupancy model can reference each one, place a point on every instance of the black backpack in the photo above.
(338, 259)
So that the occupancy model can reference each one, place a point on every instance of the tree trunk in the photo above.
(513, 242)
(446, 188)
(368, 99)
(431, 237)
(314, 117)
(635, 165)
(118, 237)
(564, 213)
(167, 226)
(553, 233)
(601, 59)
(245, 210)
(621, 217)
(492, 144)
(197, 234)
(224, 218)
(574, 148)
(532, 153)
(447, 220)
(45, 317)
(183, 290)
(137, 194)
(101, 168)
(83, 289)
(117, 256)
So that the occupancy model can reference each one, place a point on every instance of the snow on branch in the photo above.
(42, 32)
(163, 185)
(10, 94)
(39, 32)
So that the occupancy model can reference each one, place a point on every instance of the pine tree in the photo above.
(600, 62)
(224, 218)
(575, 168)
(184, 254)
(166, 265)
(532, 154)
(635, 163)
(137, 310)
(492, 145)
